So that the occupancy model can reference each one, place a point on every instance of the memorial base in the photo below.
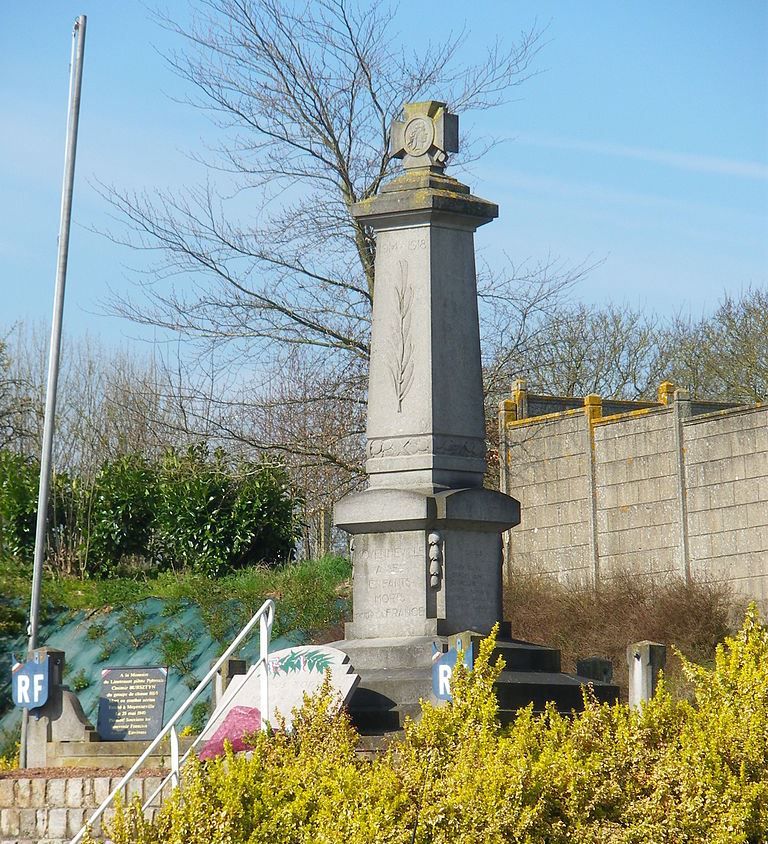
(427, 570)
(424, 563)
(396, 675)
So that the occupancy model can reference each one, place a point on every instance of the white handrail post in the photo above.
(265, 629)
(174, 757)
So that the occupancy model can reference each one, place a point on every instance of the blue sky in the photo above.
(642, 142)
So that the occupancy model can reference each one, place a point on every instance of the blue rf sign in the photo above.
(443, 664)
(30, 683)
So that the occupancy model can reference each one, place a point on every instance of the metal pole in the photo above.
(75, 84)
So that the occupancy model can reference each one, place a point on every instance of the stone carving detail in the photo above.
(425, 136)
(435, 559)
(401, 365)
(426, 444)
(418, 135)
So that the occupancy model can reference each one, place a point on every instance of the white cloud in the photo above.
(680, 161)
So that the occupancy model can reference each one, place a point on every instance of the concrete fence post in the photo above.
(645, 660)
(593, 410)
(681, 408)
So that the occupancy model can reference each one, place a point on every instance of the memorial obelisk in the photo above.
(426, 534)
(426, 547)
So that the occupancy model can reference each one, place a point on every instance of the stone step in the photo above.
(371, 722)
(384, 688)
(525, 656)
(387, 653)
(385, 696)
(517, 689)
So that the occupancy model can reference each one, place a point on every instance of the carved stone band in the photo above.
(426, 444)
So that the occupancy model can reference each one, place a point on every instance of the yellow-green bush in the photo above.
(676, 771)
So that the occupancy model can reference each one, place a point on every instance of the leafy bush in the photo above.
(674, 771)
(80, 681)
(214, 520)
(19, 478)
(192, 510)
(121, 512)
(10, 741)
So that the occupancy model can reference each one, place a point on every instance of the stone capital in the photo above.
(424, 196)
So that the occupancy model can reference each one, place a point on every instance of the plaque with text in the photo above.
(131, 703)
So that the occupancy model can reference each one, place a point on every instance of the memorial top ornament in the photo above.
(425, 136)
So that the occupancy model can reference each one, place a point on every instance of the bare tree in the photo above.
(519, 304)
(110, 402)
(304, 95)
(15, 402)
(612, 350)
(725, 356)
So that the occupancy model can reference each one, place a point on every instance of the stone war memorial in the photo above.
(426, 535)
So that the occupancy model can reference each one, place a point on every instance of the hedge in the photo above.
(195, 510)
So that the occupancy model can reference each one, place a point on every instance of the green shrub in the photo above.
(688, 771)
(80, 681)
(193, 510)
(10, 741)
(19, 479)
(213, 520)
(121, 513)
(175, 652)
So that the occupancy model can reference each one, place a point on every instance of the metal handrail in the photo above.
(265, 616)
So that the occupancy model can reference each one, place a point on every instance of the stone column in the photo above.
(427, 550)
(645, 660)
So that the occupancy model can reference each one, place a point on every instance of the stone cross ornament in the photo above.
(425, 136)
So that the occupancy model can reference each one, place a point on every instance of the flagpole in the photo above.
(73, 116)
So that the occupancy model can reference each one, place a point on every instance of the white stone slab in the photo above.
(293, 672)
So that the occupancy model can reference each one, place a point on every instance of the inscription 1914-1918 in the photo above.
(415, 244)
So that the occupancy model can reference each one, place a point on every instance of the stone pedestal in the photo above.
(61, 719)
(425, 564)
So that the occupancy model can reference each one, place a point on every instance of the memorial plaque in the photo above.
(131, 703)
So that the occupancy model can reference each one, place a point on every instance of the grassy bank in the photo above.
(311, 596)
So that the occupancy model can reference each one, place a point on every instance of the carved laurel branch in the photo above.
(401, 365)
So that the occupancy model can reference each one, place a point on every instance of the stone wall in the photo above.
(726, 462)
(637, 493)
(654, 488)
(40, 810)
(552, 479)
